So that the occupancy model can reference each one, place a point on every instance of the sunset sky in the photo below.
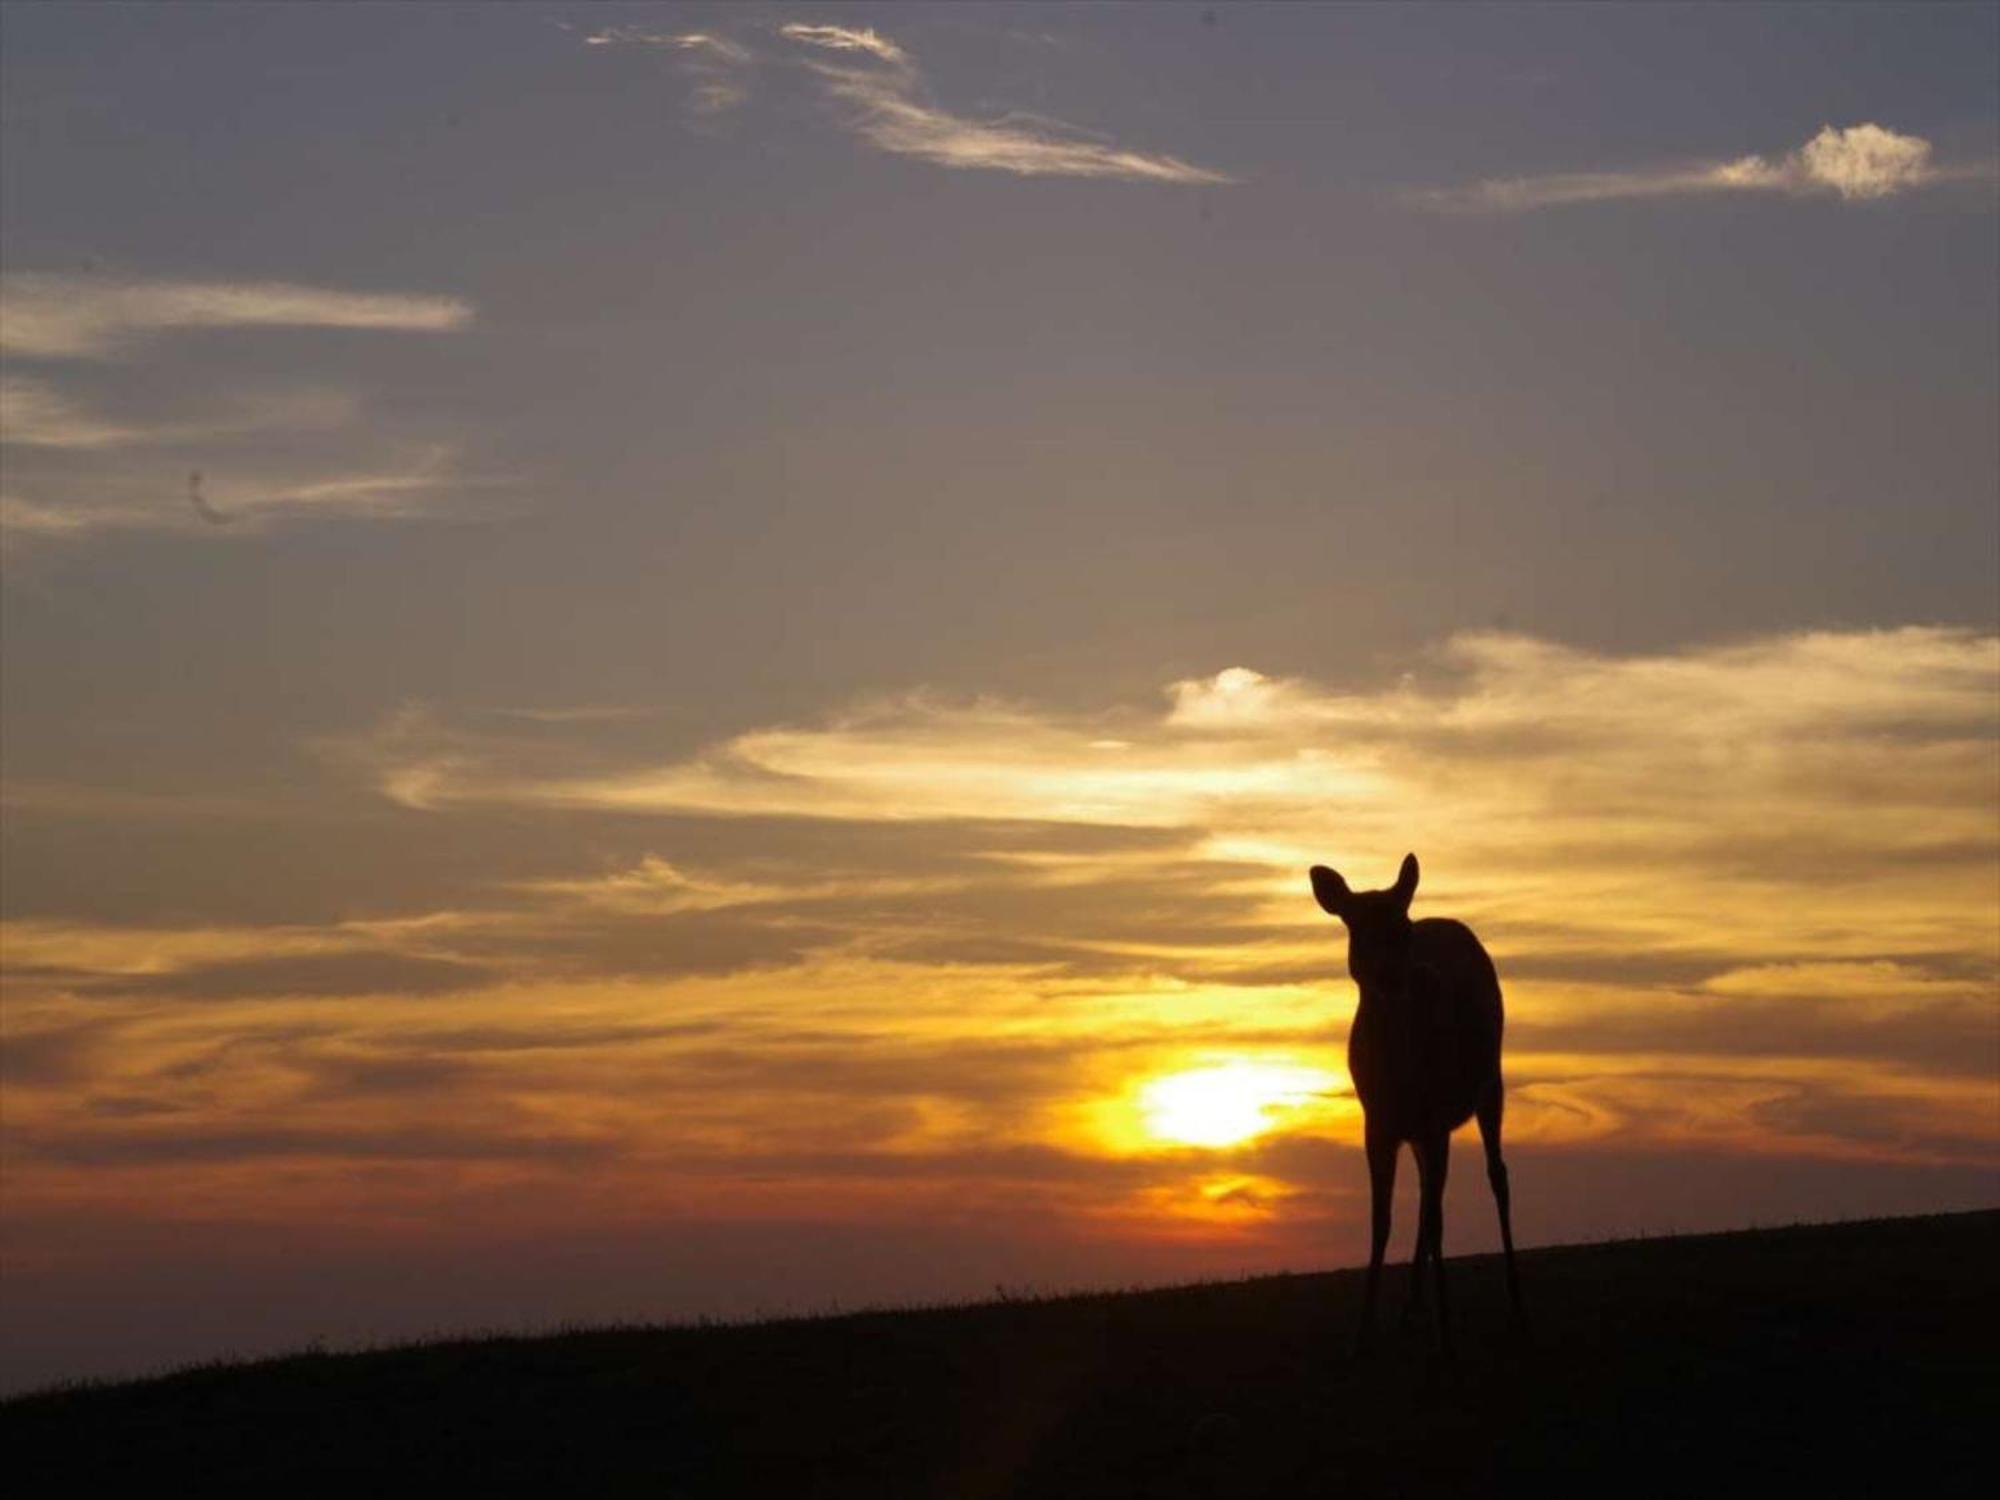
(675, 660)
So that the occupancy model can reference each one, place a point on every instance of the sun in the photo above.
(1228, 1103)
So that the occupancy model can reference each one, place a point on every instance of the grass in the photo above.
(1837, 1359)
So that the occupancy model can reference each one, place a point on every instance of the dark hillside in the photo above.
(1844, 1359)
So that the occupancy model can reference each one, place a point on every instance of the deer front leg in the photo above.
(1381, 1147)
(1413, 1300)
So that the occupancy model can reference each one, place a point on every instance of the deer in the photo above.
(1424, 1056)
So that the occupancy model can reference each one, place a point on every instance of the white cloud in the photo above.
(717, 69)
(145, 491)
(1864, 161)
(173, 454)
(891, 114)
(715, 66)
(880, 91)
(1856, 162)
(21, 517)
(682, 41)
(35, 414)
(402, 487)
(55, 314)
(847, 39)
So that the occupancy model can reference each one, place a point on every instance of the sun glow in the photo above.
(1229, 1103)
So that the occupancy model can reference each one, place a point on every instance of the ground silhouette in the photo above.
(1424, 1053)
(1835, 1360)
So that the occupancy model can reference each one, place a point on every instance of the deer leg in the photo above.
(1381, 1147)
(1496, 1174)
(1434, 1162)
(1413, 1302)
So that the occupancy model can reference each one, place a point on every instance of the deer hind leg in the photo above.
(1413, 1301)
(1496, 1173)
(1433, 1164)
(1382, 1149)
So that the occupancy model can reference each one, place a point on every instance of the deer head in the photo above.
(1378, 925)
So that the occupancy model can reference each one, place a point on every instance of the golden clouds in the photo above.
(1815, 763)
(957, 953)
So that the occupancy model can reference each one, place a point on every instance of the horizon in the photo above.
(666, 659)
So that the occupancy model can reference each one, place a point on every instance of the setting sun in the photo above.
(1229, 1103)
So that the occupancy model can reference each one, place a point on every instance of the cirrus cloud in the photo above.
(878, 93)
(1855, 162)
(88, 454)
(47, 314)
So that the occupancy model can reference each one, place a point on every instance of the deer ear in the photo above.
(1331, 890)
(1406, 880)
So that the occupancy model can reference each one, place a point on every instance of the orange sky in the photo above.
(1741, 901)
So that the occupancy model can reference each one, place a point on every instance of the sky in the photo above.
(672, 660)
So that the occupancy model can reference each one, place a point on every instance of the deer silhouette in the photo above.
(1424, 1054)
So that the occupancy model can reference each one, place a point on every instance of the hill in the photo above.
(1836, 1359)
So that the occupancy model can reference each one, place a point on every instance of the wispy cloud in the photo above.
(61, 315)
(1241, 755)
(878, 93)
(1590, 809)
(847, 39)
(149, 489)
(87, 454)
(674, 41)
(1857, 162)
(35, 414)
(717, 68)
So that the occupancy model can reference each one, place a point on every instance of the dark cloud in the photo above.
(556, 1036)
(58, 1054)
(143, 1148)
(1952, 1038)
(133, 1106)
(362, 972)
(1889, 1124)
(342, 1077)
(668, 945)
(1600, 966)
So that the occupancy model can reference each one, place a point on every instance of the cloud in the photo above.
(150, 489)
(47, 314)
(359, 972)
(1780, 848)
(880, 95)
(922, 956)
(1230, 752)
(87, 453)
(716, 67)
(36, 415)
(1856, 162)
(1862, 161)
(889, 109)
(1588, 811)
(155, 1146)
(847, 39)
(700, 42)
